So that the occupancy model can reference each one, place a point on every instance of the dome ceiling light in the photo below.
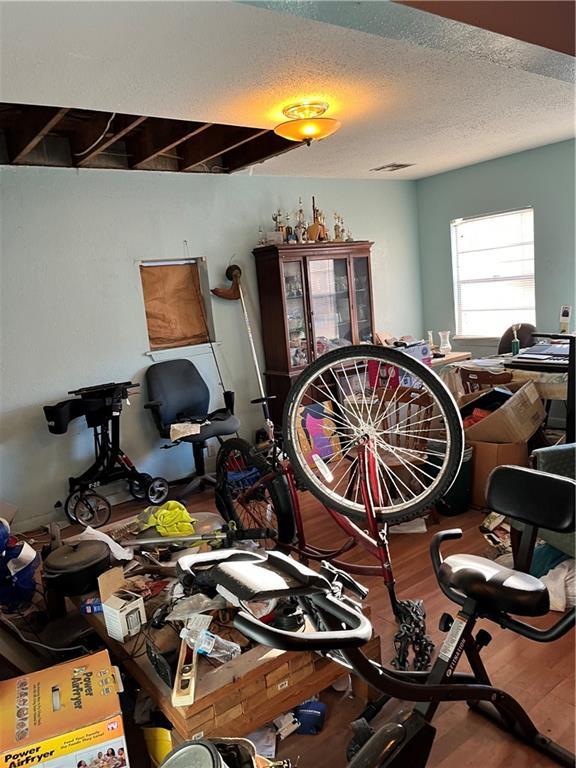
(305, 122)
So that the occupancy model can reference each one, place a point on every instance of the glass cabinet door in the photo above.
(330, 304)
(296, 314)
(361, 277)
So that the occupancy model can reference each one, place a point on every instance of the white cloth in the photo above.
(561, 584)
(91, 534)
(185, 429)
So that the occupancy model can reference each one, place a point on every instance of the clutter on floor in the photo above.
(68, 714)
(498, 425)
(18, 565)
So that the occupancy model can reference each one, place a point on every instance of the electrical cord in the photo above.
(43, 645)
(99, 139)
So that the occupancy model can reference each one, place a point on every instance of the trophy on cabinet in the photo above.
(300, 227)
(317, 230)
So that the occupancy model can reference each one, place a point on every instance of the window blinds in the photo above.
(493, 268)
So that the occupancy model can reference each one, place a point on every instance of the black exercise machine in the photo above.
(482, 588)
(101, 405)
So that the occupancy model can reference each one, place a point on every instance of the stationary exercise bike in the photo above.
(480, 587)
(101, 405)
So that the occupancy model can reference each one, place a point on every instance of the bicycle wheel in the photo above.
(239, 466)
(92, 509)
(400, 406)
(137, 486)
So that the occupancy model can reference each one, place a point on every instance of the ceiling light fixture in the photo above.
(305, 122)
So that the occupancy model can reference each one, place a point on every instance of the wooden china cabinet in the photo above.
(314, 297)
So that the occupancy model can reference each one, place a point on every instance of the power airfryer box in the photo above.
(124, 614)
(65, 716)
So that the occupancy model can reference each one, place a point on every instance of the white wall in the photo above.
(71, 303)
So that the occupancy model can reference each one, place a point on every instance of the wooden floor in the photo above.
(541, 676)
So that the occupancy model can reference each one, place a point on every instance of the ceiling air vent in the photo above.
(393, 167)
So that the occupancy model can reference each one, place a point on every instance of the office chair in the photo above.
(524, 337)
(177, 393)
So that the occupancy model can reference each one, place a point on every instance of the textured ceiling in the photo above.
(408, 86)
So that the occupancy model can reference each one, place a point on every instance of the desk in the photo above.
(451, 357)
(232, 699)
(550, 385)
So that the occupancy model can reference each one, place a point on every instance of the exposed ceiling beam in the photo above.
(548, 23)
(214, 142)
(86, 135)
(266, 146)
(158, 137)
(29, 130)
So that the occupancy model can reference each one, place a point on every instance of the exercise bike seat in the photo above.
(495, 587)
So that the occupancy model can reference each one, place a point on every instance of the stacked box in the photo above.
(62, 717)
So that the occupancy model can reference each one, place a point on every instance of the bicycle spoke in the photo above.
(398, 408)
(395, 479)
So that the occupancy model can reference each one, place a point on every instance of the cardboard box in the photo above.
(124, 614)
(486, 457)
(62, 716)
(514, 421)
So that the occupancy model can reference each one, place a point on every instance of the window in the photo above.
(175, 310)
(493, 268)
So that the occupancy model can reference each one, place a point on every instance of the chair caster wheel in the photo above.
(137, 486)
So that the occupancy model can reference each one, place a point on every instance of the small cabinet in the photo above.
(314, 297)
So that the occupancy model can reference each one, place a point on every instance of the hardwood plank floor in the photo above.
(541, 676)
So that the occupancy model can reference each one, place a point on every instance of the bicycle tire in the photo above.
(273, 509)
(309, 385)
(92, 509)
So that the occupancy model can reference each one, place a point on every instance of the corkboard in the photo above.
(175, 312)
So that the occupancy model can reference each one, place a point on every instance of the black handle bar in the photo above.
(359, 632)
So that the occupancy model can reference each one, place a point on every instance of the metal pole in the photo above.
(251, 339)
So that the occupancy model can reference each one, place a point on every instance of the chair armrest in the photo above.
(153, 404)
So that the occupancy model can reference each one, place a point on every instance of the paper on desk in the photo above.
(483, 362)
(264, 739)
(90, 534)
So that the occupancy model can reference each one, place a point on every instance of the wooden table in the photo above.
(232, 699)
(451, 357)
(551, 385)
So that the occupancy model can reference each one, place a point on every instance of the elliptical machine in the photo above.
(101, 405)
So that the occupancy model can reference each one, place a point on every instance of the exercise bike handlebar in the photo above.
(358, 632)
(549, 634)
(437, 539)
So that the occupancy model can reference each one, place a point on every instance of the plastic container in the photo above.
(208, 644)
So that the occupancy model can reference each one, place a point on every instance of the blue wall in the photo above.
(542, 178)
(72, 312)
